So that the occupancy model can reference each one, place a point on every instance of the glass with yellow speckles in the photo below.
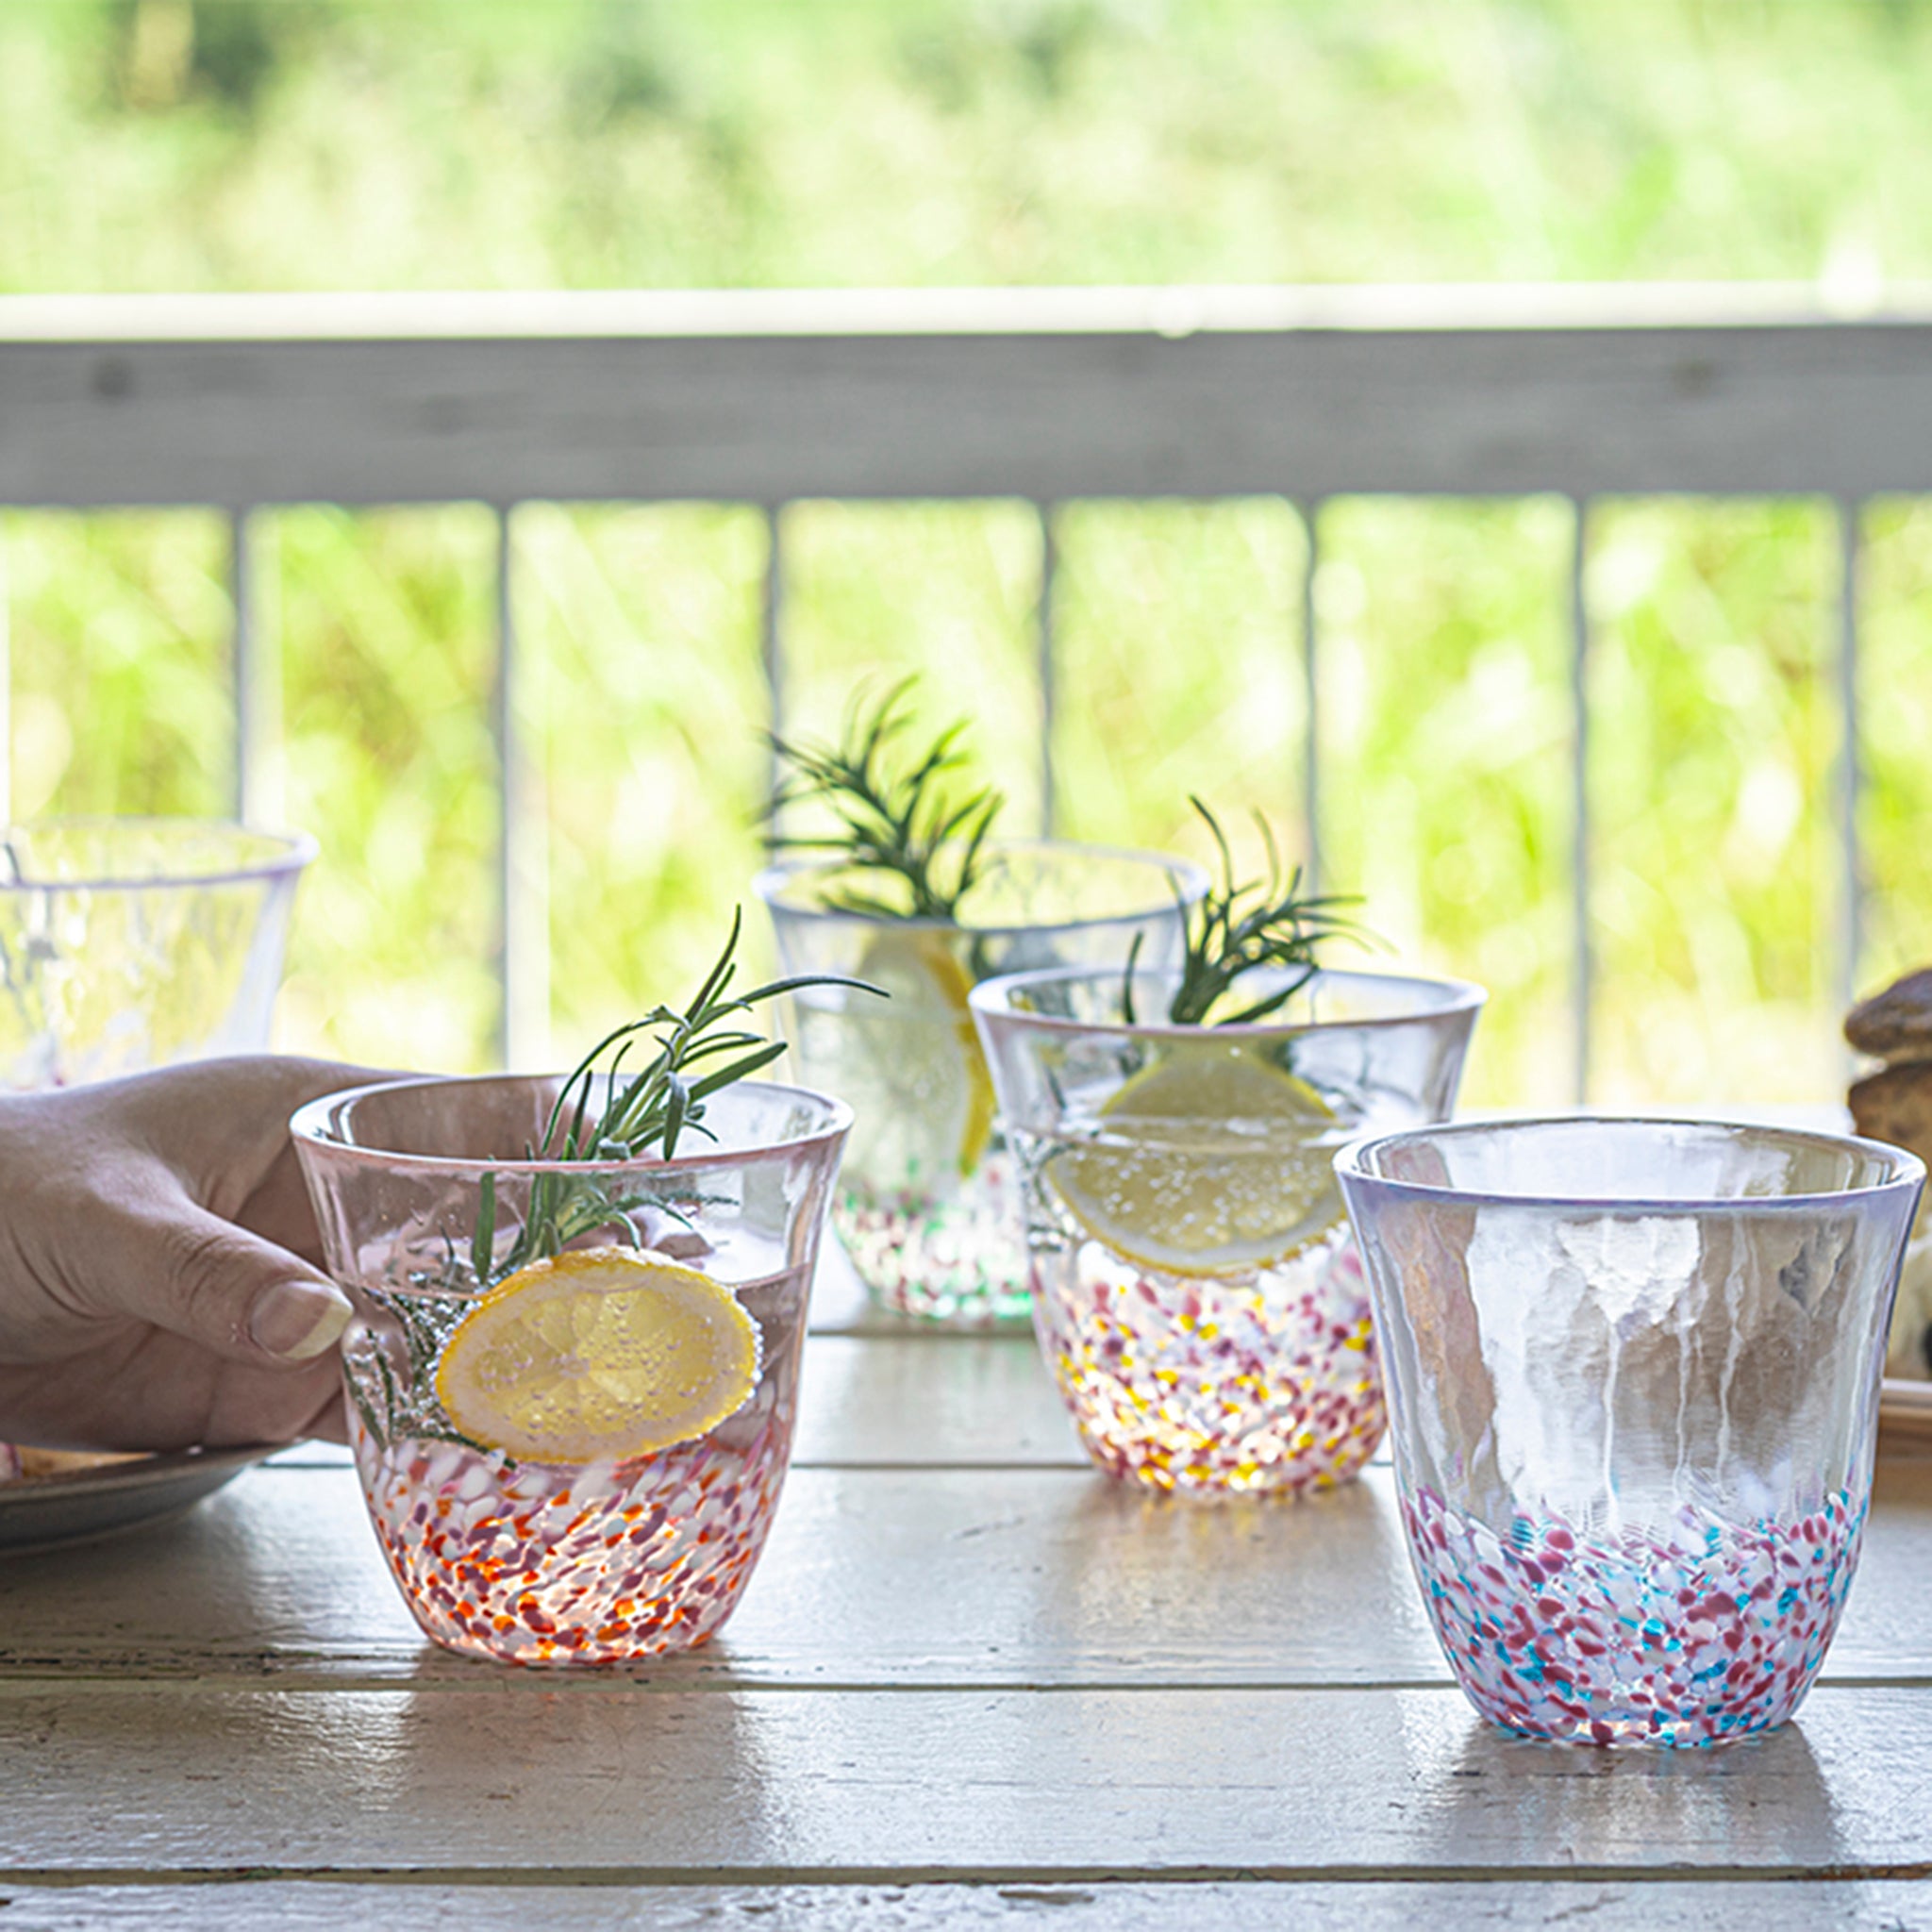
(1195, 1287)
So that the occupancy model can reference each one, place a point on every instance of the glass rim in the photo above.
(1191, 878)
(294, 851)
(309, 1126)
(1908, 1171)
(993, 998)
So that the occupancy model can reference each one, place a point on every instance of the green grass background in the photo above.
(227, 145)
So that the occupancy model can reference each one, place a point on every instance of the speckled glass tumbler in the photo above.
(1633, 1372)
(553, 1563)
(927, 1206)
(1196, 1292)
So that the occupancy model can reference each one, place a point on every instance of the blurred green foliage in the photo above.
(217, 144)
(473, 143)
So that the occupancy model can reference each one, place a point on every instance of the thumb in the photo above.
(237, 1295)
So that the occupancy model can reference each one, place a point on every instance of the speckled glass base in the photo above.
(1692, 1632)
(959, 1261)
(603, 1563)
(1267, 1383)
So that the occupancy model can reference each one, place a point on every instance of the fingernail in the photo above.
(297, 1320)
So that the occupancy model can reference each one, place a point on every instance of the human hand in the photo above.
(159, 1278)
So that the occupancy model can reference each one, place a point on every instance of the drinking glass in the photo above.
(1634, 1367)
(926, 1206)
(1196, 1292)
(128, 944)
(561, 1563)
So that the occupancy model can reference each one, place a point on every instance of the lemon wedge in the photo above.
(1212, 1161)
(598, 1355)
(928, 1074)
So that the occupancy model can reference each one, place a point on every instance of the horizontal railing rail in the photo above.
(767, 398)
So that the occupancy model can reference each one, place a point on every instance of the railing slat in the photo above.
(1311, 758)
(772, 645)
(1582, 957)
(523, 941)
(1849, 775)
(1044, 641)
(5, 692)
(257, 681)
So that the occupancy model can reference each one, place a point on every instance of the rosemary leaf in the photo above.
(648, 1112)
(896, 820)
(1226, 938)
(483, 1241)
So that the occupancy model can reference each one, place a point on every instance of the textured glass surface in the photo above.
(1634, 1378)
(128, 944)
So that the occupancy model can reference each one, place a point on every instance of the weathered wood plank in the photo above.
(1184, 406)
(1623, 1905)
(872, 1577)
(1019, 1786)
(931, 1400)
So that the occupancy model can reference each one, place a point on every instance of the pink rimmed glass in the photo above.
(1634, 1372)
(129, 944)
(1196, 1292)
(589, 1564)
(927, 1207)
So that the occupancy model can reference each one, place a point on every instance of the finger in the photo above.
(222, 1125)
(330, 1423)
(167, 1261)
(279, 1208)
(141, 1389)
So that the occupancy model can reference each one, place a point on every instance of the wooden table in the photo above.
(973, 1681)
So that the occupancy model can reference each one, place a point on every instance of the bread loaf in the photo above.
(1895, 1026)
(1895, 1104)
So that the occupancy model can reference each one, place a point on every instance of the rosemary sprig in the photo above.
(899, 821)
(1227, 937)
(698, 1054)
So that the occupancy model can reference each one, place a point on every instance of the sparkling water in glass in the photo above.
(1634, 1372)
(562, 1563)
(927, 1205)
(1196, 1291)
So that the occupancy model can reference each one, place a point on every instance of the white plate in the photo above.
(44, 1512)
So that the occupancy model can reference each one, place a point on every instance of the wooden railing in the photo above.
(241, 403)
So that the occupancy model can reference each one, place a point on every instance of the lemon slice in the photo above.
(928, 1071)
(1213, 1161)
(598, 1356)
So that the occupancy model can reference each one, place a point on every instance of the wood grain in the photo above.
(972, 1682)
(929, 1577)
(1019, 1786)
(696, 406)
(1630, 1904)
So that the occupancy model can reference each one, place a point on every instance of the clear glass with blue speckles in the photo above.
(1633, 1374)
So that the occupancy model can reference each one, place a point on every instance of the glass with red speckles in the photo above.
(1633, 1372)
(590, 1563)
(1196, 1289)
